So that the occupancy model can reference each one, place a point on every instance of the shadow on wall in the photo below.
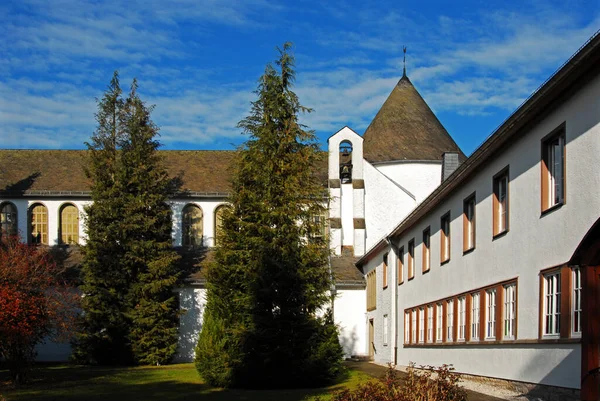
(190, 323)
(566, 372)
(348, 341)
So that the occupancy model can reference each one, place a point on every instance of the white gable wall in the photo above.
(419, 178)
(385, 204)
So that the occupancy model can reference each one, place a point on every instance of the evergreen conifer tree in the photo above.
(129, 269)
(105, 329)
(149, 255)
(270, 280)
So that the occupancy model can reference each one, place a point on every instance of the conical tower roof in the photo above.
(405, 128)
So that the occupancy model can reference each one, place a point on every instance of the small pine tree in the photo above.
(270, 279)
(104, 329)
(147, 226)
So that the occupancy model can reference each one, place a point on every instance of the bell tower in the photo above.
(347, 193)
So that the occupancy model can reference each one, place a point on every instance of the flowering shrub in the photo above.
(425, 384)
(34, 303)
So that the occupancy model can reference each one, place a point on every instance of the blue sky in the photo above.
(198, 62)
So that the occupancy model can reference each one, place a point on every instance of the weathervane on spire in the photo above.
(404, 71)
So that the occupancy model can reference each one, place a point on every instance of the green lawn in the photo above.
(165, 383)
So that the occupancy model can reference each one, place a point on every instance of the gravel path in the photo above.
(476, 391)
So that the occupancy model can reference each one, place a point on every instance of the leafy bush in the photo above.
(428, 383)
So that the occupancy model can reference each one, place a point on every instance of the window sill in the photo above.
(552, 208)
(468, 251)
(443, 262)
(500, 235)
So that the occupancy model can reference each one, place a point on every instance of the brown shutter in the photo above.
(444, 320)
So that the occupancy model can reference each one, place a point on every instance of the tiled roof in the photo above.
(62, 171)
(405, 128)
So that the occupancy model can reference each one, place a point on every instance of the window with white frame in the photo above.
(475, 316)
(490, 314)
(385, 329)
(500, 201)
(469, 223)
(449, 320)
(439, 328)
(576, 320)
(430, 323)
(510, 302)
(445, 238)
(413, 334)
(551, 305)
(462, 318)
(553, 166)
(421, 325)
(406, 327)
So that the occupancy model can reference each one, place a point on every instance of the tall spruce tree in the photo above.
(270, 280)
(129, 268)
(149, 255)
(104, 333)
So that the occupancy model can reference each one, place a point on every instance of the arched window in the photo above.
(345, 162)
(8, 219)
(192, 224)
(69, 225)
(219, 222)
(38, 224)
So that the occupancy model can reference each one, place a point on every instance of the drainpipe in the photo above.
(394, 288)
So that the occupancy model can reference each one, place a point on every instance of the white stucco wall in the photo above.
(385, 204)
(533, 242)
(348, 308)
(193, 301)
(419, 178)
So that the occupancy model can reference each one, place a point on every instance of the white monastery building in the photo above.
(490, 263)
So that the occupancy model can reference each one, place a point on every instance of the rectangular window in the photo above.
(553, 170)
(449, 320)
(439, 328)
(576, 319)
(462, 318)
(551, 305)
(445, 240)
(371, 290)
(475, 316)
(401, 266)
(385, 329)
(411, 259)
(413, 334)
(385, 270)
(421, 325)
(510, 311)
(469, 223)
(426, 254)
(500, 202)
(490, 314)
(406, 327)
(430, 324)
